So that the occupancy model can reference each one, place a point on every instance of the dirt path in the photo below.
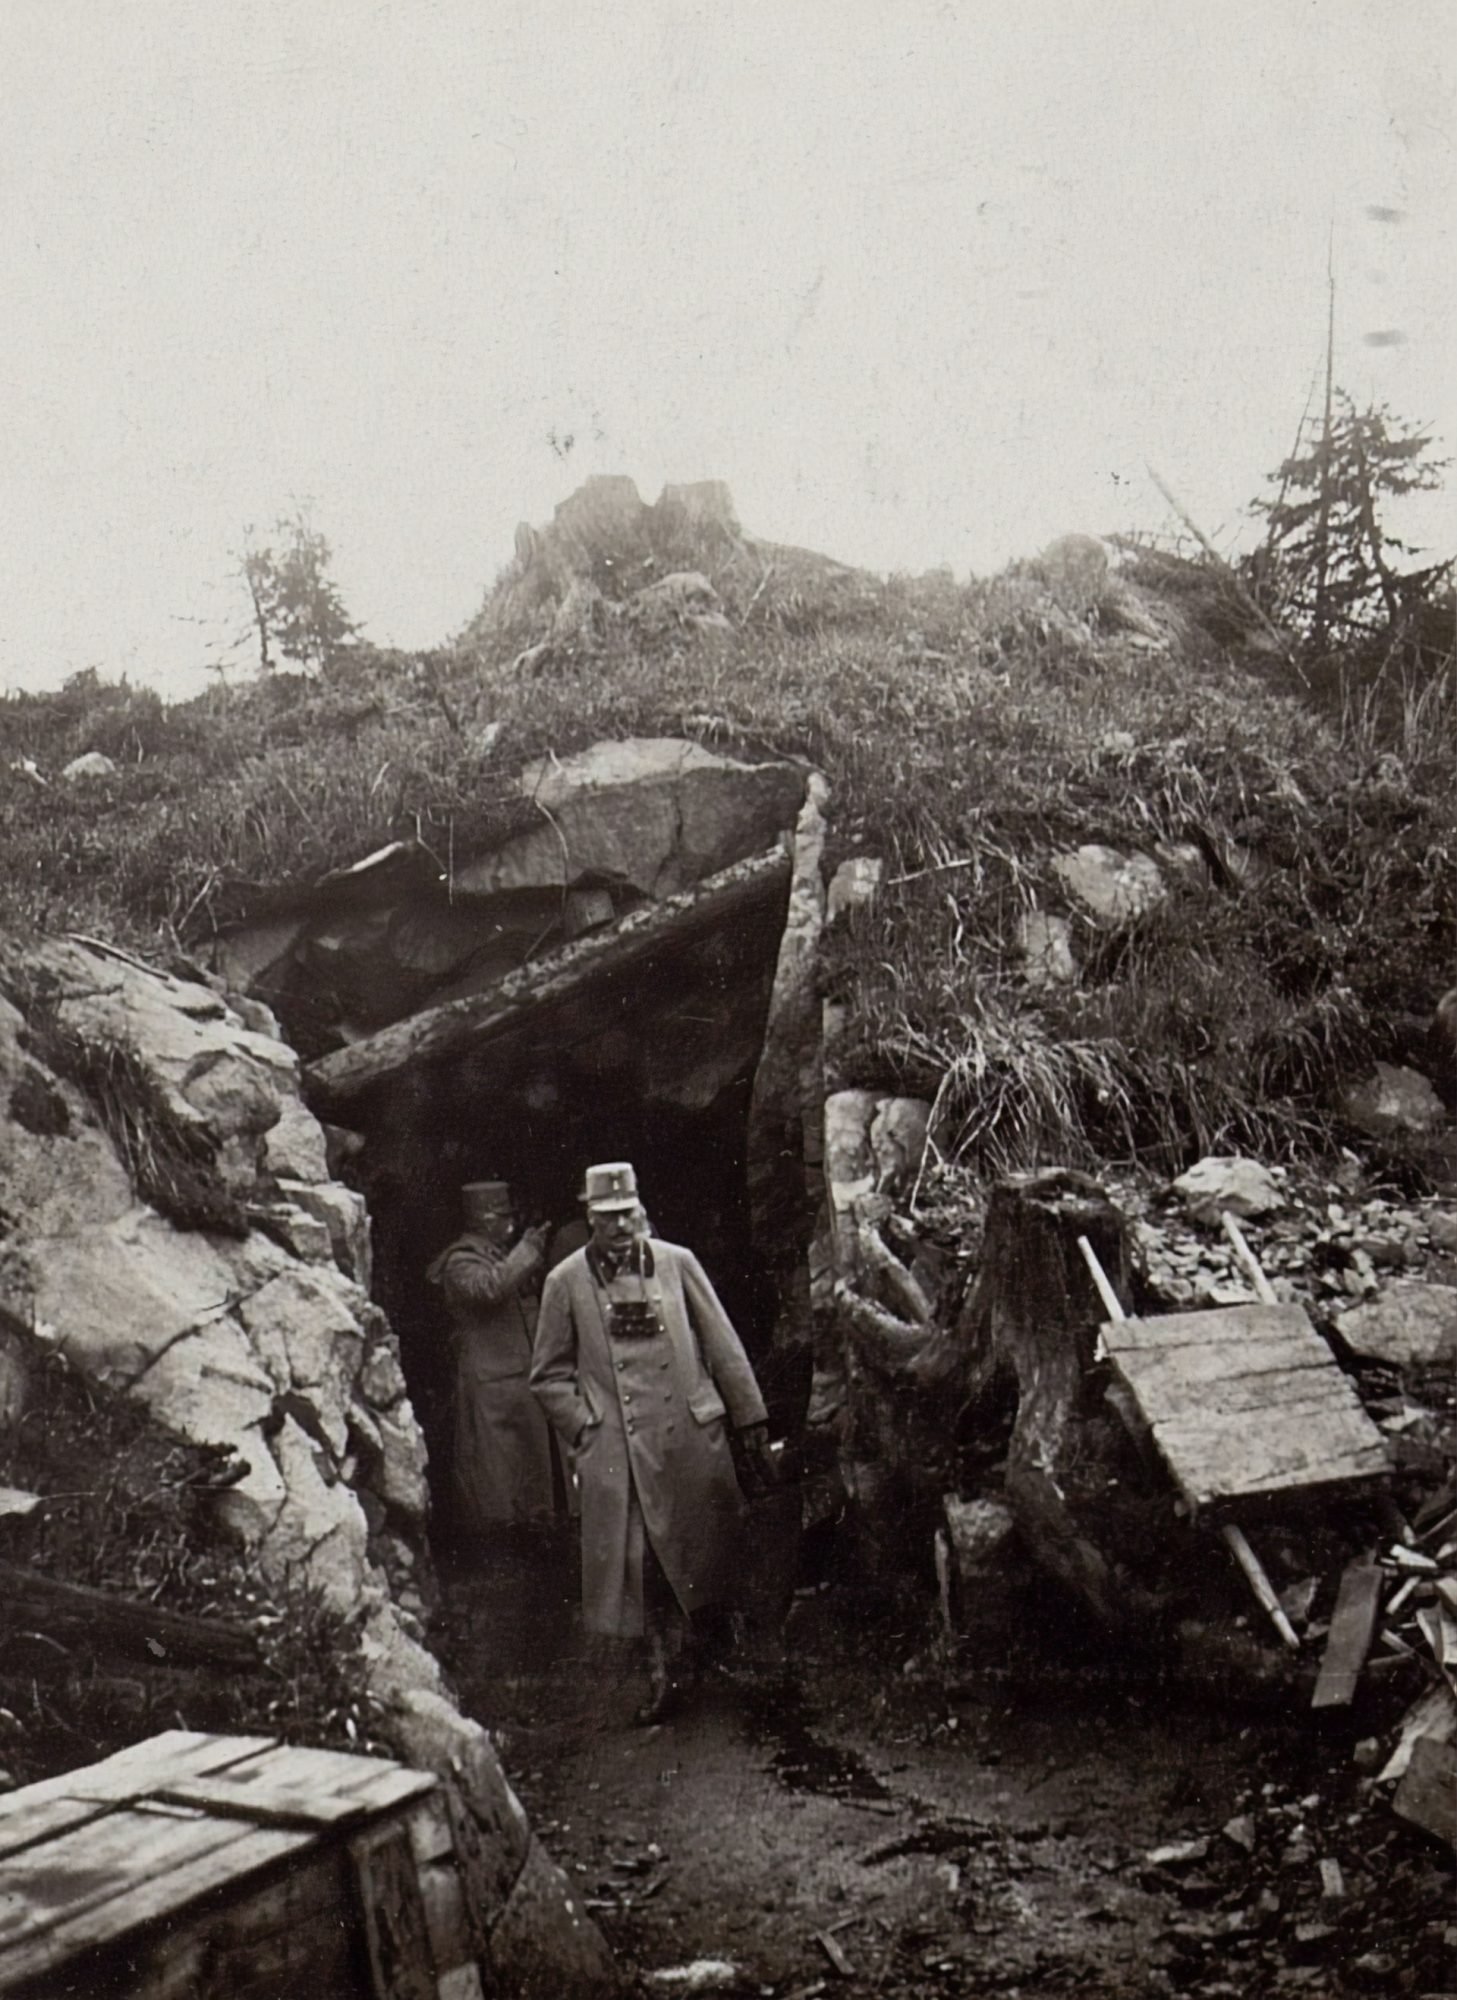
(841, 1825)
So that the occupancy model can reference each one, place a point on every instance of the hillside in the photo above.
(971, 734)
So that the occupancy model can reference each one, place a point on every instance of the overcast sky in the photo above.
(925, 282)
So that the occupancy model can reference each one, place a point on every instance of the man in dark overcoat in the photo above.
(643, 1376)
(501, 1463)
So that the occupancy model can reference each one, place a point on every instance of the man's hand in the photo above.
(538, 1235)
(753, 1460)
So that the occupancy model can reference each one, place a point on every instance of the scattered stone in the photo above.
(1442, 1232)
(1392, 1100)
(94, 764)
(855, 883)
(1178, 1854)
(1046, 946)
(1241, 1830)
(1221, 1182)
(1115, 887)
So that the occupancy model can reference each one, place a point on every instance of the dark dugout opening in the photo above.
(653, 1063)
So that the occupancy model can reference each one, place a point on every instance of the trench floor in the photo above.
(849, 1810)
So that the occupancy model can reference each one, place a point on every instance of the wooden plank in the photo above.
(1223, 1327)
(453, 1939)
(395, 1928)
(1263, 1452)
(483, 1898)
(1427, 1795)
(1353, 1625)
(177, 1875)
(43, 1819)
(1200, 1361)
(1170, 1395)
(429, 1824)
(281, 1797)
(338, 1774)
(119, 1856)
(132, 1773)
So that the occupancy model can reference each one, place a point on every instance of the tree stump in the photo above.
(1034, 1314)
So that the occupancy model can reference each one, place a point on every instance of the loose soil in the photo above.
(866, 1814)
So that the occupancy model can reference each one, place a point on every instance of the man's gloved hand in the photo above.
(754, 1462)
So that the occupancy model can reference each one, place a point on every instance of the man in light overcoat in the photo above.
(643, 1376)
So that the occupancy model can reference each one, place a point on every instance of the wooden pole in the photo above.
(1263, 1288)
(1260, 1584)
(1112, 1304)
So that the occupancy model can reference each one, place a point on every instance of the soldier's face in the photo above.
(613, 1228)
(492, 1223)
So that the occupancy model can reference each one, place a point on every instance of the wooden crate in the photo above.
(196, 1867)
(1245, 1403)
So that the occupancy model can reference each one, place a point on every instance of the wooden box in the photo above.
(195, 1867)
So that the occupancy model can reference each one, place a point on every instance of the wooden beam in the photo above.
(110, 1623)
(457, 1025)
(1353, 1623)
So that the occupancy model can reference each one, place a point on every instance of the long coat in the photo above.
(651, 1415)
(501, 1467)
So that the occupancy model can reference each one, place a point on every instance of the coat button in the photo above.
(629, 1425)
(627, 1395)
(620, 1366)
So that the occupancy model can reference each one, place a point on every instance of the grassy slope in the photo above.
(968, 732)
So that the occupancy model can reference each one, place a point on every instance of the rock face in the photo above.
(263, 1341)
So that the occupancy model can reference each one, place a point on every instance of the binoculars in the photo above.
(633, 1319)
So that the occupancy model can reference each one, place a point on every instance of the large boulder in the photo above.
(654, 814)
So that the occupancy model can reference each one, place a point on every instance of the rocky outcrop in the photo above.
(260, 1339)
